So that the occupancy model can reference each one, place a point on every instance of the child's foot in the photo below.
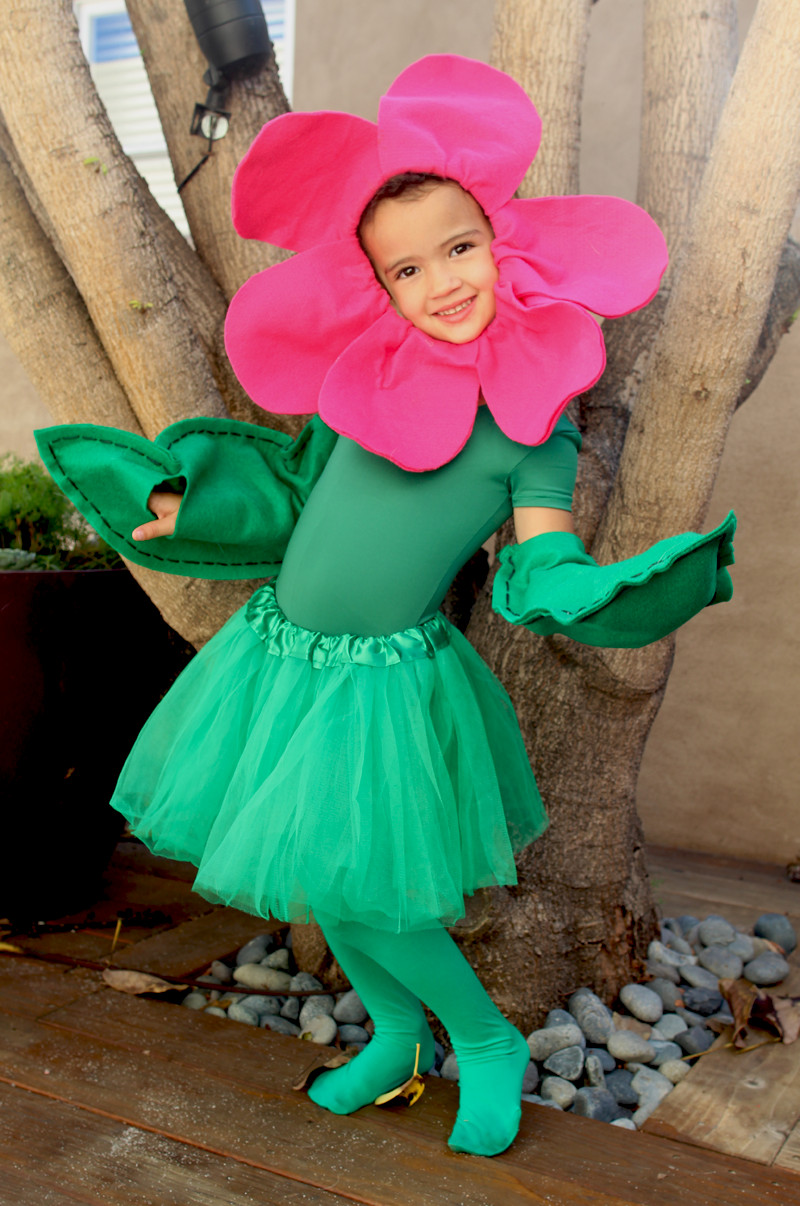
(382, 1065)
(490, 1086)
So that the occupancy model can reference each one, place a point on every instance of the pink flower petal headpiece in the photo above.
(318, 332)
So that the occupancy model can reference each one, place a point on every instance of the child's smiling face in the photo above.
(433, 254)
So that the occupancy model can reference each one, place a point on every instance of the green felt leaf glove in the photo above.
(244, 487)
(550, 584)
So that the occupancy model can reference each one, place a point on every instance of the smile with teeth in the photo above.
(454, 309)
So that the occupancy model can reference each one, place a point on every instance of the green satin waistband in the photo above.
(286, 639)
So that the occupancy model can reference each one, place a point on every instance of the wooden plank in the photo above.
(789, 1155)
(29, 988)
(133, 855)
(571, 1159)
(52, 1153)
(192, 945)
(146, 903)
(370, 1158)
(686, 882)
(92, 945)
(570, 1168)
(719, 864)
(746, 1104)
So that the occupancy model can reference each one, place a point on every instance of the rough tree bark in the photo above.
(583, 912)
(153, 306)
(81, 240)
(543, 46)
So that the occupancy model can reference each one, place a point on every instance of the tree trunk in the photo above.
(582, 913)
(175, 67)
(148, 297)
(543, 46)
(47, 323)
(720, 296)
(689, 61)
(134, 308)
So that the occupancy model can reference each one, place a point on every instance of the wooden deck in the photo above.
(123, 1101)
(741, 1103)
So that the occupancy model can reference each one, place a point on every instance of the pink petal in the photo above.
(306, 179)
(532, 360)
(403, 395)
(601, 252)
(286, 326)
(454, 117)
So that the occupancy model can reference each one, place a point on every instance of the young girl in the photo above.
(338, 746)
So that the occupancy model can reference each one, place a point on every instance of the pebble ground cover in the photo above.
(615, 1064)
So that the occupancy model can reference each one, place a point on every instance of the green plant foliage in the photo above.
(39, 527)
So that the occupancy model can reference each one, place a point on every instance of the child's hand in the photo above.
(166, 507)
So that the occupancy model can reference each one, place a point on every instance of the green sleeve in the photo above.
(545, 477)
(549, 584)
(243, 486)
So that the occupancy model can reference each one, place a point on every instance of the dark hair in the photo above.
(410, 184)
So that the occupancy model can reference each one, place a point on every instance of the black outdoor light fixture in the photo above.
(232, 34)
(234, 38)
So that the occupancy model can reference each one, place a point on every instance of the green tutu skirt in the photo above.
(375, 779)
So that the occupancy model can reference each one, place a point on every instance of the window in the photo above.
(121, 80)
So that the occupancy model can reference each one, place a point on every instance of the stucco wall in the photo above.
(721, 770)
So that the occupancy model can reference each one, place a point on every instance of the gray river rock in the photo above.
(543, 1043)
(777, 928)
(592, 1015)
(767, 968)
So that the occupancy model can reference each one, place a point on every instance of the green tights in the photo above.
(426, 966)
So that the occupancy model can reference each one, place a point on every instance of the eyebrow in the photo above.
(452, 239)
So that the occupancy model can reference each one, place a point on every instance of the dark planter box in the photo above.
(84, 657)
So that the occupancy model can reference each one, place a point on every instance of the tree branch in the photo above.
(175, 66)
(690, 49)
(689, 61)
(783, 306)
(46, 322)
(154, 307)
(543, 46)
(719, 299)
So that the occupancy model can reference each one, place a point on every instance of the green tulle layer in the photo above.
(373, 779)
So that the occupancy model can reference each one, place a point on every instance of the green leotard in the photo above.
(376, 547)
(338, 745)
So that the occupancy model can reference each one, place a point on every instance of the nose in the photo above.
(443, 279)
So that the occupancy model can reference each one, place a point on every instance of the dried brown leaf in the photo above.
(318, 1065)
(763, 1012)
(741, 996)
(787, 1010)
(135, 982)
(754, 1006)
